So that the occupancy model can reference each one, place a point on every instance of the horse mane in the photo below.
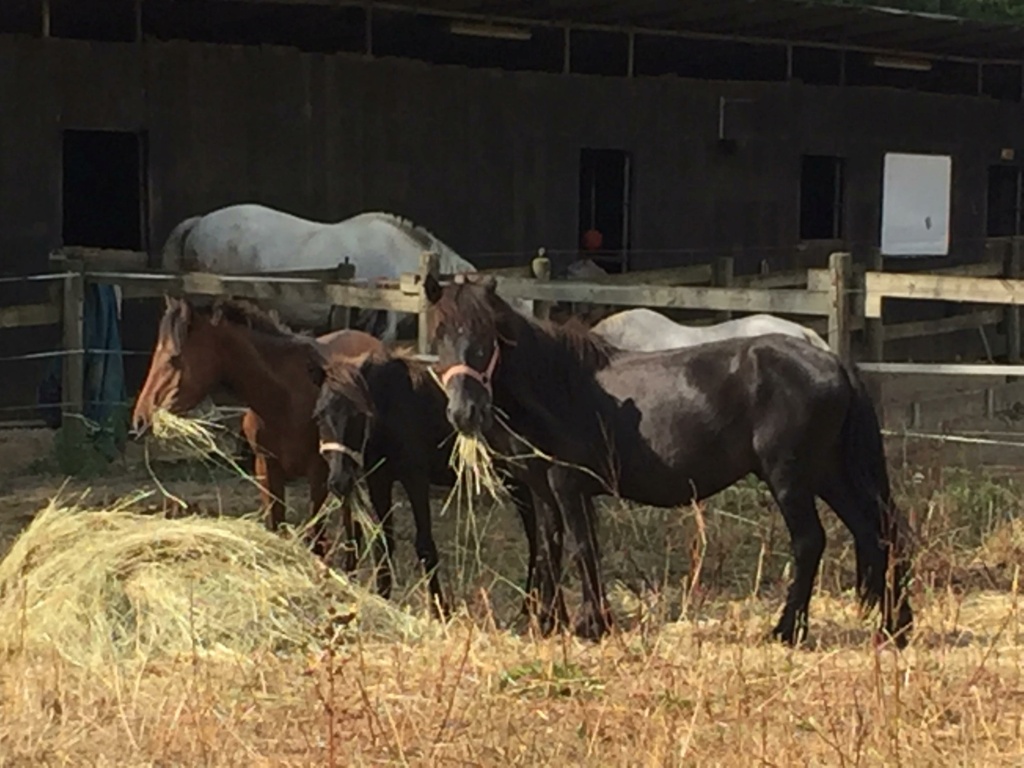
(241, 312)
(470, 305)
(346, 377)
(423, 237)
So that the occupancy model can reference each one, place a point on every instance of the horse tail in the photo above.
(815, 338)
(172, 258)
(867, 475)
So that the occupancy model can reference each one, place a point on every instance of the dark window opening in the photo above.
(20, 17)
(470, 44)
(604, 206)
(708, 59)
(599, 53)
(927, 75)
(104, 199)
(106, 20)
(1004, 201)
(1001, 81)
(821, 197)
(817, 66)
(314, 28)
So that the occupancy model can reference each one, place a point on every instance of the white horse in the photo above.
(643, 330)
(251, 239)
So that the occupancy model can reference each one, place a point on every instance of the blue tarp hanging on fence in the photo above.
(104, 363)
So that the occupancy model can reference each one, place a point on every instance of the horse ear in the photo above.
(317, 364)
(432, 289)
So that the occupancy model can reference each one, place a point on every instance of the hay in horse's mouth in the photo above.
(191, 436)
(472, 460)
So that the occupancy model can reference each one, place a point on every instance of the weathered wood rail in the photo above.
(838, 301)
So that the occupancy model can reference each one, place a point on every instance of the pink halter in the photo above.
(466, 370)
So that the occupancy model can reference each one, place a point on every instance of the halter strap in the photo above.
(467, 370)
(329, 446)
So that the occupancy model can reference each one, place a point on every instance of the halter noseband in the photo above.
(336, 447)
(484, 377)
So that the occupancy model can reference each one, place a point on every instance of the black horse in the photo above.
(383, 417)
(665, 428)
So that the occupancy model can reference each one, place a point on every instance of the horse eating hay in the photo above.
(270, 369)
(382, 417)
(667, 428)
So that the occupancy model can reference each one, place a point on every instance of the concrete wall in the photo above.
(487, 160)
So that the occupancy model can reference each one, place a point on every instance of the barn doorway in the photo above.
(604, 201)
(103, 196)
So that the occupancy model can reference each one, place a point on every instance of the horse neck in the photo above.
(394, 380)
(565, 377)
(266, 373)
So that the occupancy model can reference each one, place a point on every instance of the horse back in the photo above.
(348, 343)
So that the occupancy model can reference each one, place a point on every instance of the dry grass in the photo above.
(687, 680)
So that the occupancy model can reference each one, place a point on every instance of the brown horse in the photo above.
(270, 369)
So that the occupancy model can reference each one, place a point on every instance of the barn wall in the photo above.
(485, 159)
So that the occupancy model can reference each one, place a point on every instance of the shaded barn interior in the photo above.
(755, 129)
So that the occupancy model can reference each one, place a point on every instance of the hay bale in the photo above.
(101, 586)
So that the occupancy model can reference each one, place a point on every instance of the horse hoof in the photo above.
(591, 628)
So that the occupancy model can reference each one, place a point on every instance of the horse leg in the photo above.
(270, 478)
(594, 619)
(417, 488)
(353, 537)
(807, 540)
(523, 500)
(549, 598)
(317, 480)
(379, 486)
(873, 553)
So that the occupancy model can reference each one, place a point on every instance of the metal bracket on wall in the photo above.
(724, 141)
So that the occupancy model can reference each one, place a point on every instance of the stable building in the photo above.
(679, 129)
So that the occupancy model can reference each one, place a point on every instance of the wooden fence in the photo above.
(838, 301)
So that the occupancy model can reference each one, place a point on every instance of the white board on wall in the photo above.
(915, 204)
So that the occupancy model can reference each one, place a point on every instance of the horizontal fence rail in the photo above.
(837, 301)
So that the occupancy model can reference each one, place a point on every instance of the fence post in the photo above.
(340, 318)
(840, 267)
(874, 330)
(429, 265)
(73, 369)
(1012, 312)
(721, 277)
(541, 268)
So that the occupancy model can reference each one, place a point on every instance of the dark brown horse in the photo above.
(384, 418)
(666, 428)
(270, 369)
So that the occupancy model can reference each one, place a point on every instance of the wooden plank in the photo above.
(944, 369)
(25, 315)
(928, 286)
(73, 369)
(541, 268)
(102, 258)
(981, 269)
(796, 302)
(1012, 314)
(290, 290)
(840, 268)
(722, 276)
(430, 264)
(793, 278)
(944, 325)
(697, 274)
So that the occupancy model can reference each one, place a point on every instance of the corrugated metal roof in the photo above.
(784, 20)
